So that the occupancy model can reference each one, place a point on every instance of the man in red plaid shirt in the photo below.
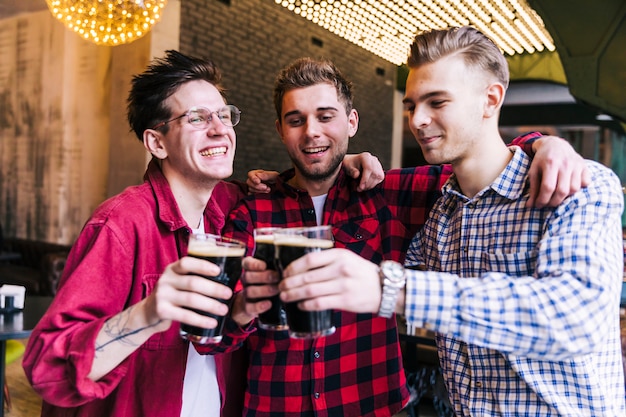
(357, 371)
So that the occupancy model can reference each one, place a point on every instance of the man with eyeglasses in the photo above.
(107, 346)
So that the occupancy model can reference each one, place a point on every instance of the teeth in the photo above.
(214, 151)
(315, 150)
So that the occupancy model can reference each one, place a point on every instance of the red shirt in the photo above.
(358, 370)
(116, 262)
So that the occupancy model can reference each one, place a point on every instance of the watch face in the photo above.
(393, 271)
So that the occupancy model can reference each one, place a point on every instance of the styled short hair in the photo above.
(162, 78)
(306, 72)
(477, 49)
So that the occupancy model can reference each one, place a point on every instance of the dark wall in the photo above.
(251, 40)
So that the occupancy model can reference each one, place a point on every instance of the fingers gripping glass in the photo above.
(200, 117)
(289, 245)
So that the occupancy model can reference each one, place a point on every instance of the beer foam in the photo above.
(211, 248)
(264, 239)
(303, 241)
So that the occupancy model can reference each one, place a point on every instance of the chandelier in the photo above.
(108, 22)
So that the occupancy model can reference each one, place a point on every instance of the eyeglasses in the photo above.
(199, 117)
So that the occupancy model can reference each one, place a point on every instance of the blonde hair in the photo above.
(477, 50)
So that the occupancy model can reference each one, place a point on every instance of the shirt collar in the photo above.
(167, 207)
(511, 183)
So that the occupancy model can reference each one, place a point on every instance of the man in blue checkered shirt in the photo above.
(525, 301)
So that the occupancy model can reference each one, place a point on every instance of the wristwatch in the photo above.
(392, 279)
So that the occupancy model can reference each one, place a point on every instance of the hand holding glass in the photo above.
(291, 244)
(227, 254)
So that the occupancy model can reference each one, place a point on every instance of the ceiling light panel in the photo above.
(387, 27)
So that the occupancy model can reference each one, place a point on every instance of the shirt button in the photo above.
(316, 355)
(358, 236)
(478, 384)
(317, 395)
(310, 212)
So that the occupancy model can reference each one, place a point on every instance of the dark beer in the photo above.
(303, 324)
(227, 255)
(275, 318)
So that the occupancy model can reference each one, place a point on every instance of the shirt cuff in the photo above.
(429, 299)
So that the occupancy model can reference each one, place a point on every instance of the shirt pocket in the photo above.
(361, 236)
(511, 263)
(168, 339)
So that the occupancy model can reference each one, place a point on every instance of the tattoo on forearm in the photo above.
(116, 328)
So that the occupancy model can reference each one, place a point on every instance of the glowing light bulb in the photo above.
(108, 22)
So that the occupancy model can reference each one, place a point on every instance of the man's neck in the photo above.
(190, 197)
(313, 187)
(482, 167)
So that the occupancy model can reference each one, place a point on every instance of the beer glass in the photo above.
(275, 318)
(291, 244)
(227, 254)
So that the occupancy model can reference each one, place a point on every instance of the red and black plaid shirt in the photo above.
(357, 371)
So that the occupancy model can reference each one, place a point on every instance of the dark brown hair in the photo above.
(306, 72)
(163, 77)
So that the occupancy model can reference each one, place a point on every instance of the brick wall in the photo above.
(251, 40)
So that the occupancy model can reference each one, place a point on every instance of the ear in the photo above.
(153, 142)
(353, 122)
(495, 97)
(279, 129)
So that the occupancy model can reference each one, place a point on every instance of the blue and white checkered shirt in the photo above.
(526, 305)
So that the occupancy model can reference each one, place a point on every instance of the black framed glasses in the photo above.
(200, 117)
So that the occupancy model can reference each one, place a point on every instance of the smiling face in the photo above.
(446, 101)
(200, 157)
(316, 130)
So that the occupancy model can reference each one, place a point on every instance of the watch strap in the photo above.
(393, 279)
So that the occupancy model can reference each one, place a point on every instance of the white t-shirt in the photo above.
(318, 203)
(201, 393)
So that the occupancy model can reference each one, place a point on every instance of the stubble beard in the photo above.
(320, 174)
